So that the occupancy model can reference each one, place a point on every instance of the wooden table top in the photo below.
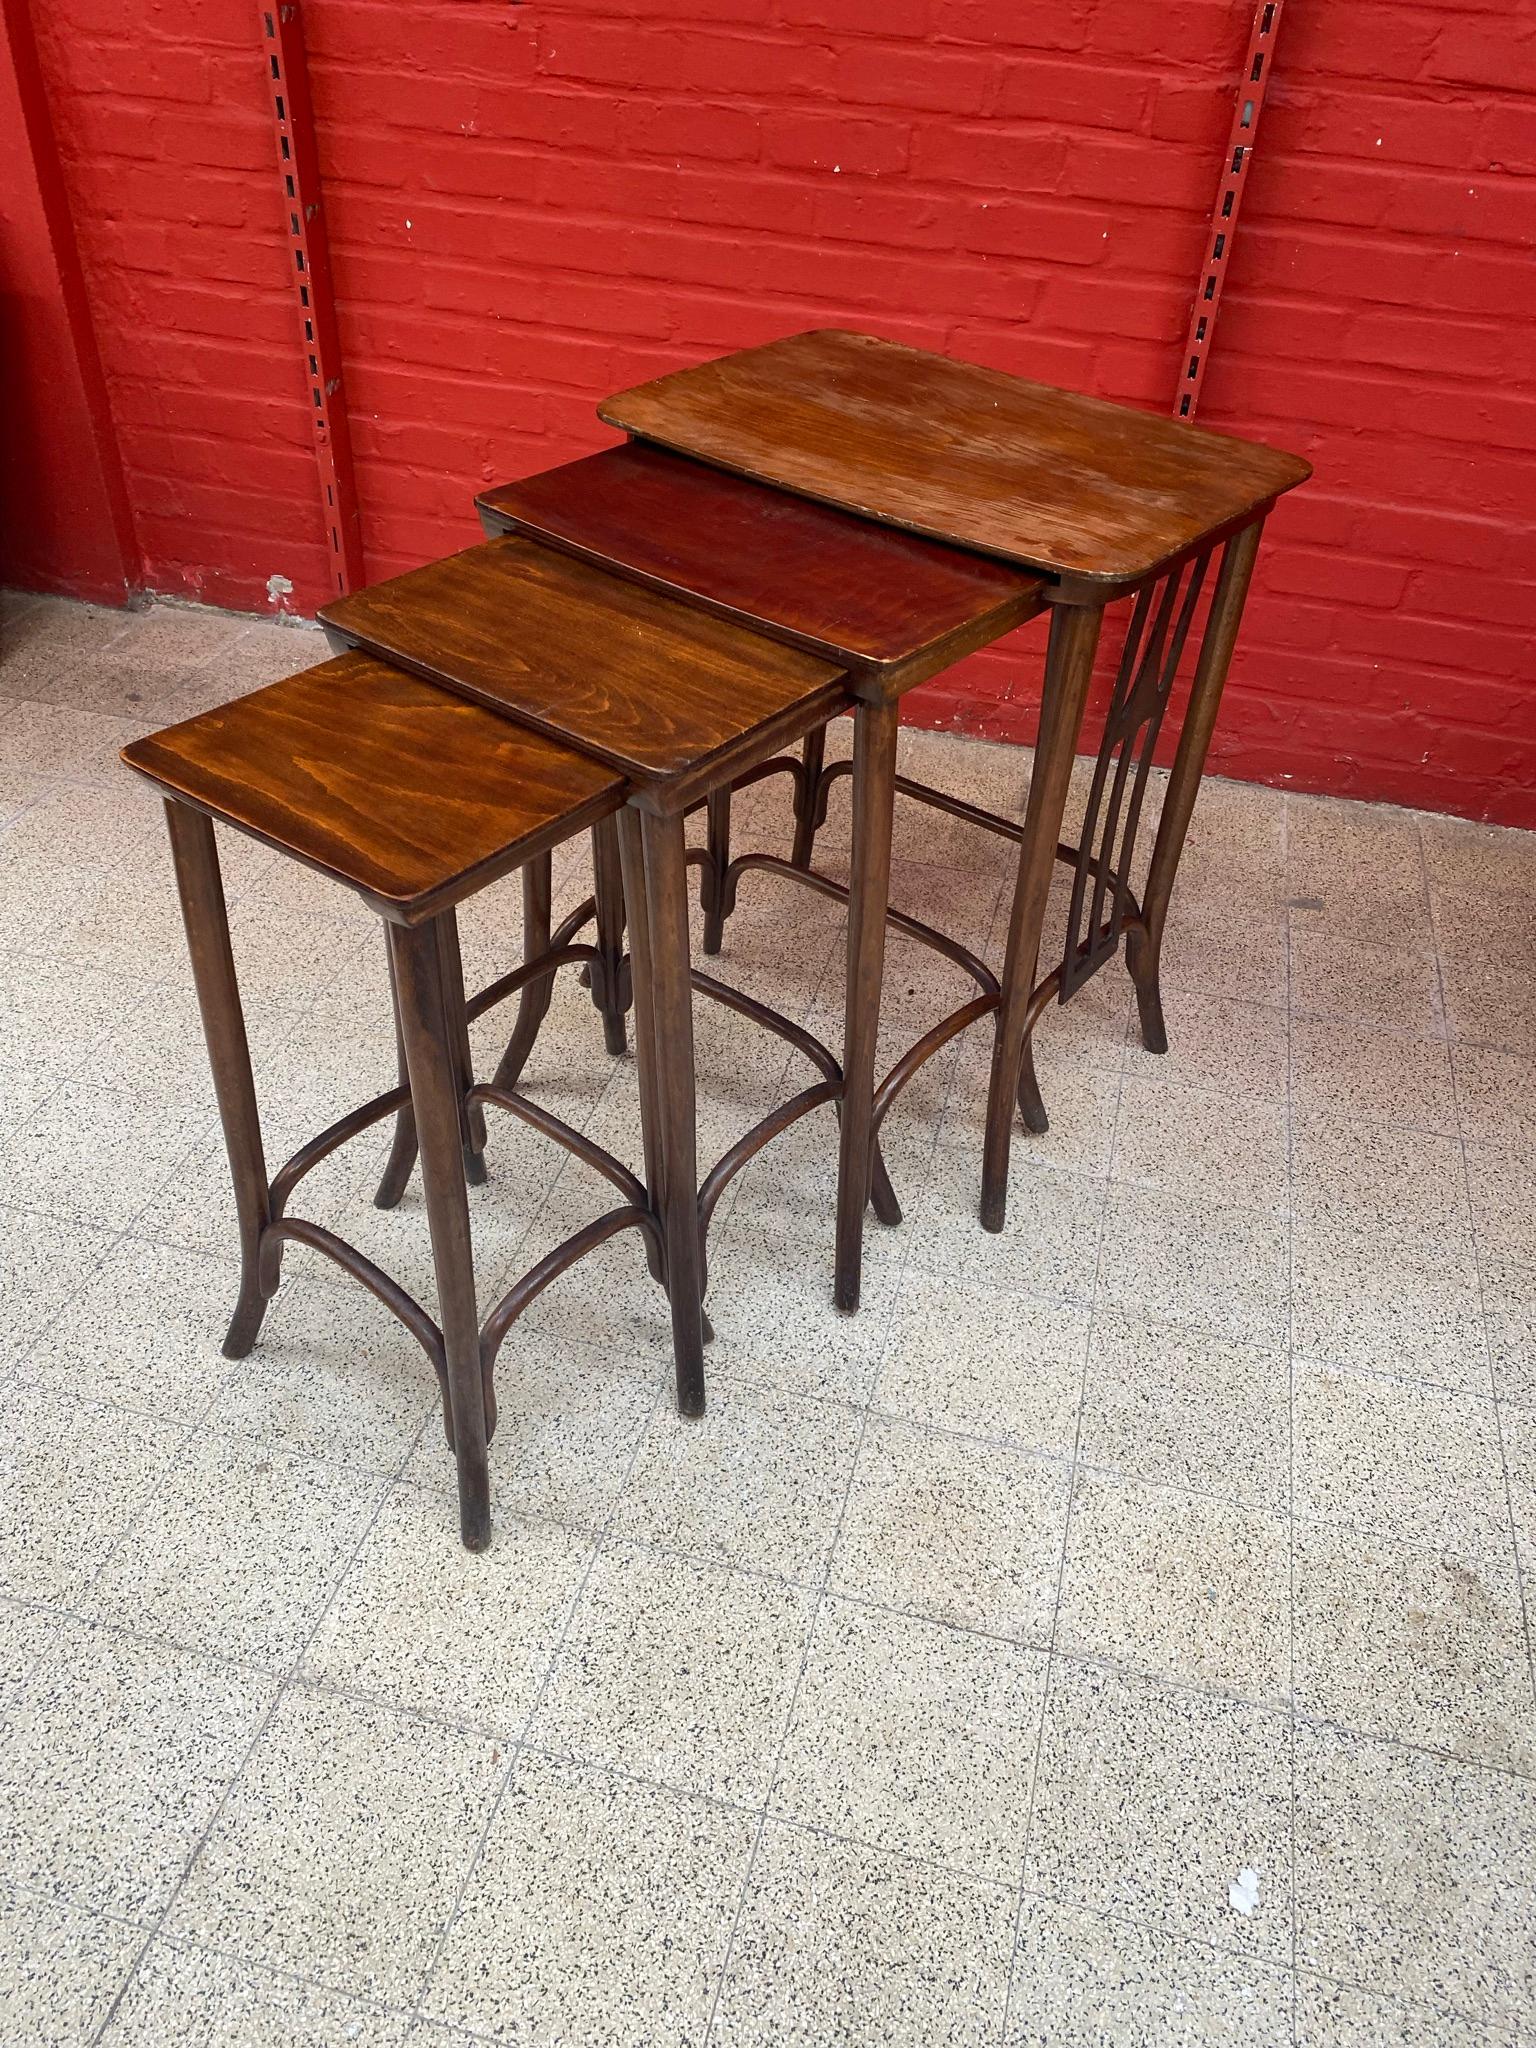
(656, 688)
(842, 587)
(1096, 494)
(409, 793)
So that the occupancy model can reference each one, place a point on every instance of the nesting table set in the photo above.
(791, 532)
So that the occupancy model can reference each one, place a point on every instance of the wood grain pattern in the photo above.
(654, 687)
(801, 572)
(1074, 486)
(408, 793)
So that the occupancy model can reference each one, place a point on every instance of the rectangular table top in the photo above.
(410, 794)
(1092, 493)
(845, 588)
(658, 689)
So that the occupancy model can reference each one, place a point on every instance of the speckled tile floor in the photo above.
(1115, 1633)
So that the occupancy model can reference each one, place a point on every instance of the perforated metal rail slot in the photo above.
(298, 169)
(1237, 164)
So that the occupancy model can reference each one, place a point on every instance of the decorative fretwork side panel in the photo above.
(1101, 900)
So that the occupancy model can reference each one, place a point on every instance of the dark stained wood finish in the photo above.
(401, 1162)
(1097, 494)
(1144, 944)
(402, 1151)
(533, 1006)
(658, 893)
(893, 608)
(608, 975)
(657, 688)
(1068, 672)
(874, 787)
(808, 796)
(196, 856)
(647, 1055)
(798, 571)
(472, 1116)
(412, 795)
(427, 1030)
(349, 768)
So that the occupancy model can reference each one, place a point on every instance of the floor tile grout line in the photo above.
(821, 1597)
(202, 1423)
(1170, 1678)
(1466, 2015)
(184, 1428)
(285, 1683)
(183, 1435)
(1114, 1914)
(185, 1945)
(1290, 1420)
(1161, 1318)
(133, 1229)
(1520, 1568)
(1162, 1678)
(517, 1746)
(108, 1226)
(1027, 1839)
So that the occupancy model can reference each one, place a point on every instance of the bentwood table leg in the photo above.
(1144, 942)
(402, 1150)
(638, 913)
(608, 969)
(417, 953)
(807, 791)
(665, 882)
(533, 1003)
(471, 1115)
(1068, 670)
(717, 859)
(874, 796)
(218, 999)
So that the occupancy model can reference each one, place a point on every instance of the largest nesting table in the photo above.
(1102, 502)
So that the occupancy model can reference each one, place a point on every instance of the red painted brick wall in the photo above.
(532, 204)
(65, 520)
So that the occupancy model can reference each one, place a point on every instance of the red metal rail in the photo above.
(299, 170)
(1229, 203)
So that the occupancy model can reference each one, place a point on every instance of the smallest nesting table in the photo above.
(415, 799)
